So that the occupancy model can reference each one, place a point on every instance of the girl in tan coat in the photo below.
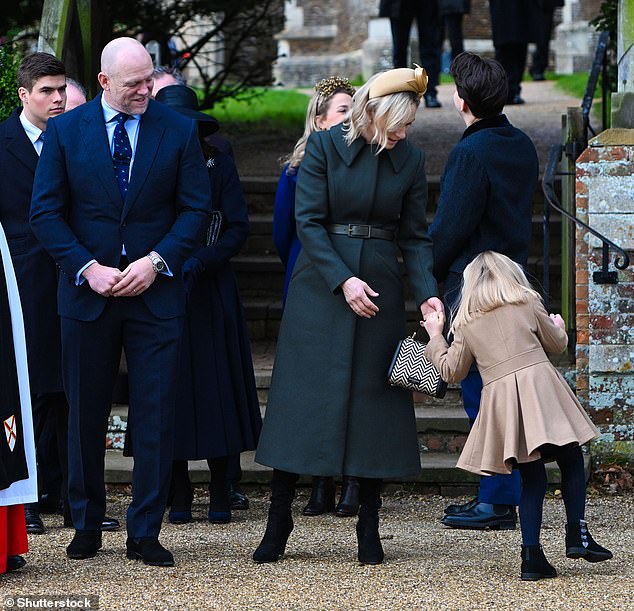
(528, 414)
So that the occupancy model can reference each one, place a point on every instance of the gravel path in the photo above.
(426, 567)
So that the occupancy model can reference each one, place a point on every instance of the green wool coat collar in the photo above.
(398, 155)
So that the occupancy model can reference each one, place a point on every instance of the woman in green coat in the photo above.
(361, 197)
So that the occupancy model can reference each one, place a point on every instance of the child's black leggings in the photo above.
(534, 483)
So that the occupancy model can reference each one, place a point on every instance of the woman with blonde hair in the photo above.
(528, 414)
(361, 198)
(328, 106)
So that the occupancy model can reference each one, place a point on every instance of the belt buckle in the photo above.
(355, 231)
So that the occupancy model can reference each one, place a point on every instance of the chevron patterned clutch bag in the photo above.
(411, 369)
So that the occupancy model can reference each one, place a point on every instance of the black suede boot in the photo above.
(322, 497)
(534, 564)
(280, 522)
(348, 504)
(580, 544)
(370, 548)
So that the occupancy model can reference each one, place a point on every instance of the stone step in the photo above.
(438, 474)
(434, 423)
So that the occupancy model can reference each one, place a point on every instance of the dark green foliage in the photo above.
(9, 62)
(241, 33)
(606, 21)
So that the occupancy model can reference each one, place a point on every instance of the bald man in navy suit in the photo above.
(120, 198)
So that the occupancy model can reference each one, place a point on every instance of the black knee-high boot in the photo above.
(370, 548)
(280, 522)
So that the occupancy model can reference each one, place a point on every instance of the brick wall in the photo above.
(605, 312)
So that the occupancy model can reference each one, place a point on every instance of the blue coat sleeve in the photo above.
(284, 229)
(463, 199)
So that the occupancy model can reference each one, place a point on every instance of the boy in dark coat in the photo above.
(42, 90)
(485, 203)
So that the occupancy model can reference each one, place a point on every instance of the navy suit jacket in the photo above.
(77, 212)
(486, 197)
(35, 270)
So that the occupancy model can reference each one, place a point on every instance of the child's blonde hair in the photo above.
(386, 114)
(491, 280)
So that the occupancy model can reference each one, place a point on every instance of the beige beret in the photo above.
(400, 80)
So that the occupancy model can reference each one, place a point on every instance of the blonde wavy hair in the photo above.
(491, 280)
(319, 104)
(375, 118)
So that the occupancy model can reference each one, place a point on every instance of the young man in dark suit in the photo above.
(42, 91)
(486, 200)
(120, 196)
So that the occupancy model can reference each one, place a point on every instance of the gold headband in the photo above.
(400, 80)
(328, 86)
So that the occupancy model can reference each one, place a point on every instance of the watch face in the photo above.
(160, 266)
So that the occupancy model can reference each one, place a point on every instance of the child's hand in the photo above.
(558, 320)
(434, 323)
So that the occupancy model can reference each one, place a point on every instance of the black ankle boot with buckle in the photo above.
(580, 544)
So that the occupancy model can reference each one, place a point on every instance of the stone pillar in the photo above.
(575, 41)
(605, 312)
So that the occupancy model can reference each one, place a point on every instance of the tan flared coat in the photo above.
(525, 401)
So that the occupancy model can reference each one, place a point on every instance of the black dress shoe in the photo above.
(454, 509)
(110, 524)
(34, 524)
(538, 76)
(484, 516)
(85, 544)
(431, 101)
(14, 563)
(348, 504)
(237, 498)
(149, 550)
(322, 497)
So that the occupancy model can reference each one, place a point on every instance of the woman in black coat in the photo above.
(218, 413)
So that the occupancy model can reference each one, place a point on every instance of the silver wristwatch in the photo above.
(158, 265)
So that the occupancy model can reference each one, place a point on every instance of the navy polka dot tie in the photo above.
(122, 155)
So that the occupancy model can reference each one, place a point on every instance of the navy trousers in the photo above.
(92, 352)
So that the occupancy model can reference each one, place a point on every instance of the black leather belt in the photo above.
(361, 231)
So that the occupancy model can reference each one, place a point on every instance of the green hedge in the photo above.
(9, 62)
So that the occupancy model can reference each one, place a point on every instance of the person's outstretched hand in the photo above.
(434, 323)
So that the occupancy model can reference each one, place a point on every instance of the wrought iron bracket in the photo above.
(621, 260)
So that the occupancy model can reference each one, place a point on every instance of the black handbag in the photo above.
(411, 369)
(215, 228)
